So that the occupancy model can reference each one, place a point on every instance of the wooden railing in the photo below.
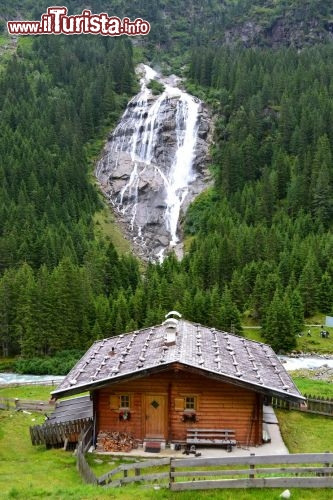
(85, 441)
(58, 434)
(311, 470)
(50, 382)
(25, 404)
(131, 473)
(317, 405)
(287, 471)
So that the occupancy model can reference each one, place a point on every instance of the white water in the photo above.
(137, 135)
(181, 173)
(310, 363)
(10, 378)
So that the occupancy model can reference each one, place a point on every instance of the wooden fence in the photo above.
(25, 404)
(310, 470)
(125, 473)
(135, 472)
(58, 434)
(49, 382)
(317, 405)
(275, 471)
(82, 465)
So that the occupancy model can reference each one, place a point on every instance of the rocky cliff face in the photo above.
(280, 31)
(155, 163)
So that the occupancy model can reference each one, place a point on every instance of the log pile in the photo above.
(115, 441)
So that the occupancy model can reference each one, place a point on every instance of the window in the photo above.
(119, 400)
(186, 403)
(190, 403)
(124, 401)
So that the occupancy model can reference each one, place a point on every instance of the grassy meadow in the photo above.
(31, 472)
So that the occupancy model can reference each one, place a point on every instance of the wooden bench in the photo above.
(217, 437)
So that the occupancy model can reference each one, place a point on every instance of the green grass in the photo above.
(314, 344)
(253, 334)
(31, 472)
(306, 433)
(316, 388)
(106, 225)
(38, 392)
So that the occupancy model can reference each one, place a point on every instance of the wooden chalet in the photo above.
(159, 383)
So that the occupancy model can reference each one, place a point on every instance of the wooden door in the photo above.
(155, 416)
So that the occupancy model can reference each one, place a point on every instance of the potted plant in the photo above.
(189, 416)
(124, 414)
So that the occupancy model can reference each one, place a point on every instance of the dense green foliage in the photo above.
(269, 217)
(53, 99)
(262, 238)
(59, 364)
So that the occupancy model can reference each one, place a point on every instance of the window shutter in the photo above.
(179, 404)
(114, 402)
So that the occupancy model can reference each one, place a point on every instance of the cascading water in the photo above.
(152, 166)
(181, 173)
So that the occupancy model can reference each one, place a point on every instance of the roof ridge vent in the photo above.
(173, 313)
(171, 325)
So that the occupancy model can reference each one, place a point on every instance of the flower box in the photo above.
(124, 415)
(189, 416)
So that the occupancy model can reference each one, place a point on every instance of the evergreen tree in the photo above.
(278, 326)
(230, 319)
(325, 294)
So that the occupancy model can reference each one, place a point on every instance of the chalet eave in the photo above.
(230, 379)
(180, 367)
(98, 384)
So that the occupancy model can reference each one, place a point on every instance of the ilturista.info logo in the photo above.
(56, 22)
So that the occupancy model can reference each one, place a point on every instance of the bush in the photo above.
(60, 364)
(156, 87)
(7, 365)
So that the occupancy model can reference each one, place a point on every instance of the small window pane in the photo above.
(190, 403)
(124, 401)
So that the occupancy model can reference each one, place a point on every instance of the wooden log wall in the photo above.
(219, 405)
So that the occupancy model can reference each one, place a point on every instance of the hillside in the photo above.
(177, 24)
(260, 242)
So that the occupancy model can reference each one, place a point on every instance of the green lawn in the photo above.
(306, 433)
(31, 472)
(304, 344)
(314, 388)
(41, 392)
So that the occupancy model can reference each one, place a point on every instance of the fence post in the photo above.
(172, 469)
(326, 464)
(251, 475)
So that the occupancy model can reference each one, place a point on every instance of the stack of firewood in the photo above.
(115, 441)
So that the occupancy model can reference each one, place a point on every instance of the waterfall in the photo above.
(181, 172)
(147, 170)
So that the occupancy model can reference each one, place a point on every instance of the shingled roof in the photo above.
(213, 353)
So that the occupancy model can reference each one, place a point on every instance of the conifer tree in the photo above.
(278, 326)
(230, 319)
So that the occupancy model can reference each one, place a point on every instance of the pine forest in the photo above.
(258, 240)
